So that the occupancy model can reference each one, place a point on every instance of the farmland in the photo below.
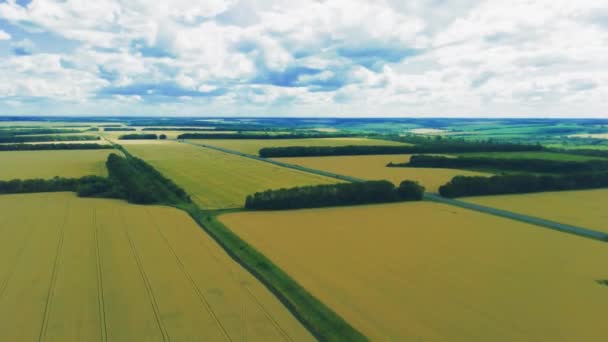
(48, 164)
(374, 168)
(252, 146)
(425, 271)
(586, 208)
(96, 270)
(216, 179)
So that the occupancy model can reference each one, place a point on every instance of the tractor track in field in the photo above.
(198, 291)
(9, 274)
(56, 265)
(147, 285)
(557, 226)
(100, 296)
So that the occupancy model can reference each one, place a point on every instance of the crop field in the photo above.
(584, 208)
(48, 164)
(532, 155)
(374, 167)
(429, 272)
(252, 146)
(97, 270)
(216, 179)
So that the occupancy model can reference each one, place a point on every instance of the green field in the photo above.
(104, 270)
(49, 164)
(252, 146)
(216, 179)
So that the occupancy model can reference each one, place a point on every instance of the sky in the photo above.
(352, 58)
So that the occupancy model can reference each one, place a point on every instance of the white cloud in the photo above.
(351, 57)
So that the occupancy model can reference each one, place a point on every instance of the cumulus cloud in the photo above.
(336, 57)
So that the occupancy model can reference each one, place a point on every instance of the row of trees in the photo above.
(129, 178)
(443, 147)
(146, 136)
(60, 146)
(44, 138)
(335, 195)
(141, 183)
(461, 186)
(257, 136)
(527, 165)
(88, 186)
(34, 131)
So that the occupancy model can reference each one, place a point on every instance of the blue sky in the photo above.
(520, 58)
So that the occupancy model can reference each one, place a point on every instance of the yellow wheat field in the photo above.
(217, 179)
(252, 146)
(48, 164)
(584, 208)
(430, 272)
(74, 269)
(374, 167)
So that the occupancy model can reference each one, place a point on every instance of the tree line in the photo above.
(34, 131)
(118, 129)
(258, 136)
(335, 195)
(461, 186)
(146, 136)
(523, 164)
(59, 146)
(87, 186)
(141, 183)
(44, 138)
(129, 178)
(443, 147)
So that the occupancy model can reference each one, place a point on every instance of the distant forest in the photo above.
(461, 186)
(512, 164)
(455, 146)
(58, 146)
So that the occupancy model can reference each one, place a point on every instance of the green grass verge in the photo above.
(319, 319)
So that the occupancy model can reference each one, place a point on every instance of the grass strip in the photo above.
(320, 320)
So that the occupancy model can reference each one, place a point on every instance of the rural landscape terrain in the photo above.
(274, 229)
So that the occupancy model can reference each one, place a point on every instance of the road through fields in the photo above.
(580, 231)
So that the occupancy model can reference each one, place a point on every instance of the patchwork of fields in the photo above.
(252, 146)
(584, 208)
(429, 272)
(48, 164)
(216, 179)
(96, 270)
(374, 167)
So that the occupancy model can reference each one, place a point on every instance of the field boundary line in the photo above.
(100, 297)
(198, 291)
(278, 163)
(56, 265)
(147, 285)
(561, 227)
